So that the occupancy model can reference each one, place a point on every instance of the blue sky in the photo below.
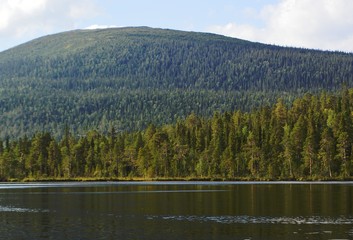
(195, 15)
(318, 24)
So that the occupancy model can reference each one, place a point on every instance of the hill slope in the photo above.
(129, 77)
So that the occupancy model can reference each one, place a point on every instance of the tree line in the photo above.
(310, 139)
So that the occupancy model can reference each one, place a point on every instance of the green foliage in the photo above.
(129, 77)
(312, 139)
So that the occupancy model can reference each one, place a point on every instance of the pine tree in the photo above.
(288, 153)
(253, 155)
(310, 150)
(327, 152)
(54, 159)
(278, 121)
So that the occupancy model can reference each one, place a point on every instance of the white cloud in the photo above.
(13, 10)
(25, 19)
(324, 24)
(97, 26)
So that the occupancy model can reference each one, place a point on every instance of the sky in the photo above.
(317, 24)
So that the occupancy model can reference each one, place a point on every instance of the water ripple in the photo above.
(21, 210)
(259, 219)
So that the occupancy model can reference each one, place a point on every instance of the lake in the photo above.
(176, 210)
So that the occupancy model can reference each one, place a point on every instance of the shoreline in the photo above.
(160, 179)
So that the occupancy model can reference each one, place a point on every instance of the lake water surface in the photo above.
(176, 210)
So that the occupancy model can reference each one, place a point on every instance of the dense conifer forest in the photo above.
(153, 103)
(130, 77)
(310, 140)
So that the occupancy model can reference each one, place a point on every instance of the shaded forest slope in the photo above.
(129, 77)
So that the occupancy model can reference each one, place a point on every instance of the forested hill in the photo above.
(129, 77)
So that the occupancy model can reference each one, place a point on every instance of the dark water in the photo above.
(176, 211)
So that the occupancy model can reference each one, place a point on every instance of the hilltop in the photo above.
(130, 77)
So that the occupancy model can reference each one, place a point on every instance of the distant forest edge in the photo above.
(311, 140)
(130, 77)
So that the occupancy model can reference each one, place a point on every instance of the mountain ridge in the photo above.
(76, 33)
